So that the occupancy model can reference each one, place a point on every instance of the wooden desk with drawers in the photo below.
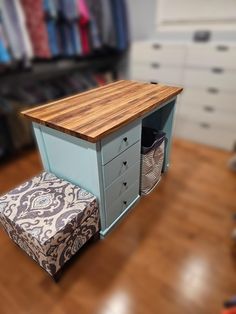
(93, 139)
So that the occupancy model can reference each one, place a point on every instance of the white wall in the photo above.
(142, 18)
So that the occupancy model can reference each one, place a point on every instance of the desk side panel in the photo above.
(72, 159)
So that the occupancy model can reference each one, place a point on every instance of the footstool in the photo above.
(50, 219)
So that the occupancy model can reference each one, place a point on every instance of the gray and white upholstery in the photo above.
(50, 219)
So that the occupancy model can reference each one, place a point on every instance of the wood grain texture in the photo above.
(93, 114)
(172, 254)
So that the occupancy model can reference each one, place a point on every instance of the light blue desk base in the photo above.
(80, 161)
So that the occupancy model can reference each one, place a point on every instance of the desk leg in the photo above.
(167, 120)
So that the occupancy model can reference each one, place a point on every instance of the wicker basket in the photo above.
(152, 158)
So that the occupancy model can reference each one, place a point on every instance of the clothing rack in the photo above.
(15, 132)
(50, 49)
(48, 29)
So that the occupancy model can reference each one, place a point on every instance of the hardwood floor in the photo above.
(172, 254)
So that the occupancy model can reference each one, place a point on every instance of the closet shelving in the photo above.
(104, 64)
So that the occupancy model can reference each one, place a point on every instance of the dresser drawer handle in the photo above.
(125, 139)
(155, 65)
(209, 108)
(156, 46)
(124, 202)
(222, 48)
(213, 90)
(125, 163)
(125, 183)
(205, 125)
(217, 70)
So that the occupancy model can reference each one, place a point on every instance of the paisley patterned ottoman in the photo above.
(50, 219)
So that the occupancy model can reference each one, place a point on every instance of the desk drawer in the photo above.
(156, 52)
(203, 55)
(122, 203)
(122, 184)
(157, 73)
(217, 77)
(118, 142)
(211, 97)
(121, 164)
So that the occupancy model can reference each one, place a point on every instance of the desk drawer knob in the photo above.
(124, 202)
(125, 139)
(125, 163)
(125, 183)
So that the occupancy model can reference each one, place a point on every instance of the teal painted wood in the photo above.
(162, 119)
(113, 211)
(104, 232)
(117, 142)
(122, 185)
(121, 164)
(41, 146)
(72, 159)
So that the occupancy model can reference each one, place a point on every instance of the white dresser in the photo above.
(207, 108)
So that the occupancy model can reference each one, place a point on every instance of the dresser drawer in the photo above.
(222, 79)
(156, 52)
(209, 115)
(203, 55)
(122, 203)
(205, 133)
(122, 184)
(211, 98)
(117, 142)
(157, 73)
(121, 164)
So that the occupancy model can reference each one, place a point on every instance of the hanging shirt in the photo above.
(51, 9)
(4, 55)
(71, 42)
(95, 15)
(84, 26)
(36, 27)
(15, 29)
(69, 10)
(120, 19)
(108, 29)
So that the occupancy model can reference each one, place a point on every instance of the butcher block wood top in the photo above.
(96, 113)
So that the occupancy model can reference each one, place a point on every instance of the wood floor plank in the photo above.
(171, 254)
